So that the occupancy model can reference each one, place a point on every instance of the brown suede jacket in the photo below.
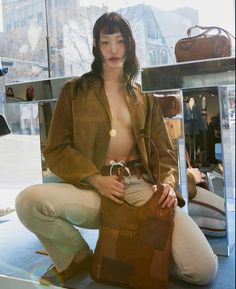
(79, 134)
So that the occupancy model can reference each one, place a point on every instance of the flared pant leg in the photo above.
(51, 212)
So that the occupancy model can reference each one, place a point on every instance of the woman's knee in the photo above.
(200, 272)
(194, 259)
(25, 202)
(205, 272)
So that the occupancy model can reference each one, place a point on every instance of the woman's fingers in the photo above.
(168, 197)
(116, 200)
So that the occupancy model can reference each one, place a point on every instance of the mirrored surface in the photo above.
(216, 107)
(209, 138)
(194, 74)
(40, 90)
(46, 110)
(175, 129)
(227, 110)
(204, 140)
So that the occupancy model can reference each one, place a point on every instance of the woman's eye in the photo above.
(103, 42)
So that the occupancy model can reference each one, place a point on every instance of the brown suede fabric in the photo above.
(79, 135)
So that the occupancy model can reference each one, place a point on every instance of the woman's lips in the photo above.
(114, 59)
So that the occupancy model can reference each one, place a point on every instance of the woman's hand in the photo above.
(198, 175)
(108, 186)
(168, 197)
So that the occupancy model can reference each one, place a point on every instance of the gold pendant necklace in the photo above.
(112, 132)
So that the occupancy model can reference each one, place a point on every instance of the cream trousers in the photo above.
(54, 211)
(207, 209)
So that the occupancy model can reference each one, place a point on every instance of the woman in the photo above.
(206, 208)
(96, 124)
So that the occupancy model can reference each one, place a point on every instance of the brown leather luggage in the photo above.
(169, 104)
(204, 45)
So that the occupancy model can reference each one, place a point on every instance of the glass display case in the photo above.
(29, 110)
(210, 83)
(208, 100)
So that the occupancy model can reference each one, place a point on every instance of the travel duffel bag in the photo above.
(134, 244)
(204, 45)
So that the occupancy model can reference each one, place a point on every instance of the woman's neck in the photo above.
(113, 75)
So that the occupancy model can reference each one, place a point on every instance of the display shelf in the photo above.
(193, 74)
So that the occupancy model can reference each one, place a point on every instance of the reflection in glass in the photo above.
(228, 157)
(193, 74)
(202, 136)
(208, 113)
(35, 90)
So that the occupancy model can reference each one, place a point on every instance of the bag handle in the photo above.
(156, 173)
(188, 160)
(207, 30)
(154, 164)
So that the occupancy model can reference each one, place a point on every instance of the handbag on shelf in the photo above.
(169, 104)
(4, 127)
(204, 45)
(134, 244)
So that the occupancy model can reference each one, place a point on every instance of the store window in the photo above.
(152, 29)
(26, 30)
(158, 56)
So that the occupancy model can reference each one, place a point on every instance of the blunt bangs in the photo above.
(110, 27)
(111, 23)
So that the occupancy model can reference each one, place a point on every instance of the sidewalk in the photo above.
(20, 165)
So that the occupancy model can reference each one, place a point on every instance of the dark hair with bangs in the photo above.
(110, 23)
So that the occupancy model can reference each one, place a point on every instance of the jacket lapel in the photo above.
(138, 115)
(101, 95)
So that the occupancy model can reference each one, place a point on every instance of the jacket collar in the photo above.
(99, 91)
(135, 106)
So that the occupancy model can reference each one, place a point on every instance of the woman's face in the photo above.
(113, 49)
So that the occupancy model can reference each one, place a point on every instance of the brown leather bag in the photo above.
(134, 243)
(169, 104)
(205, 45)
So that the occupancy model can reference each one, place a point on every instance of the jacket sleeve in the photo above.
(168, 160)
(191, 185)
(62, 158)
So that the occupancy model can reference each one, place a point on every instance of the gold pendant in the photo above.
(112, 132)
